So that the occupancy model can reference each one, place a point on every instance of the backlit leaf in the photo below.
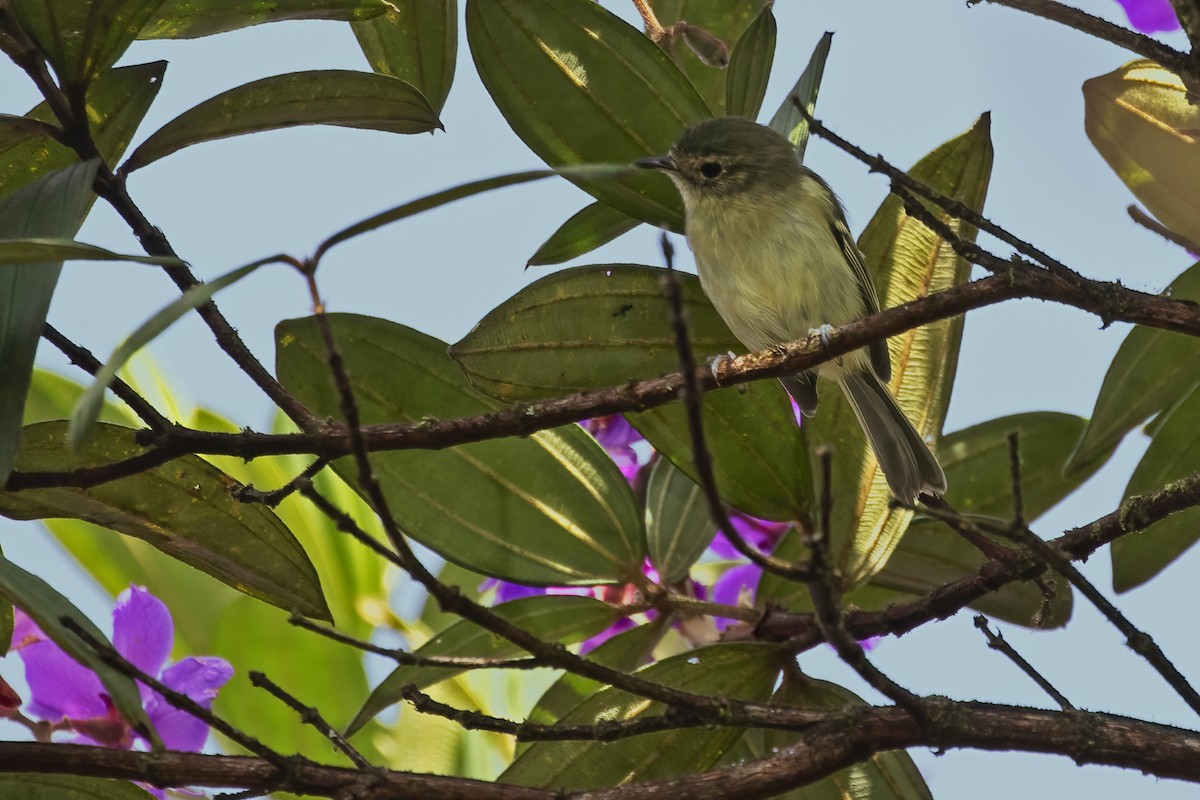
(594, 225)
(750, 66)
(548, 509)
(416, 41)
(189, 19)
(339, 97)
(579, 85)
(678, 524)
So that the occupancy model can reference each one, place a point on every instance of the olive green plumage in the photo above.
(777, 261)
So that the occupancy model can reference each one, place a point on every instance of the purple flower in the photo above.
(617, 437)
(1150, 16)
(741, 581)
(65, 692)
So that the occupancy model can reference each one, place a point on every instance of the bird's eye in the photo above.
(711, 169)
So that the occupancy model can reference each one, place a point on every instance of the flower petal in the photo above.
(59, 686)
(142, 629)
(1150, 16)
(200, 679)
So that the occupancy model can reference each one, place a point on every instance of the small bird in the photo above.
(776, 259)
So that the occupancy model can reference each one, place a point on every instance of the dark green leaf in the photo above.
(416, 41)
(183, 508)
(593, 226)
(579, 85)
(189, 19)
(626, 651)
(42, 250)
(737, 671)
(750, 66)
(549, 509)
(320, 97)
(68, 787)
(48, 608)
(721, 19)
(889, 775)
(678, 524)
(1174, 453)
(87, 409)
(979, 470)
(759, 454)
(906, 260)
(788, 120)
(554, 618)
(52, 206)
(82, 38)
(1145, 378)
(116, 103)
(586, 328)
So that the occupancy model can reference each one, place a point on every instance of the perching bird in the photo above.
(777, 261)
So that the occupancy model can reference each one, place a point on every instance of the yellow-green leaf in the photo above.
(1144, 122)
(906, 261)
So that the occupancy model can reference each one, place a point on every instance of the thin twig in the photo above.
(826, 604)
(310, 716)
(83, 358)
(692, 395)
(1132, 41)
(654, 28)
(1014, 469)
(997, 642)
(408, 659)
(249, 494)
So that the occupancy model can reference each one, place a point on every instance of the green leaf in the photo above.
(549, 509)
(722, 19)
(626, 651)
(607, 324)
(116, 103)
(1174, 453)
(750, 67)
(736, 671)
(411, 208)
(68, 787)
(183, 508)
(586, 328)
(1144, 379)
(759, 454)
(554, 618)
(906, 260)
(978, 467)
(48, 608)
(579, 85)
(594, 225)
(1143, 120)
(788, 120)
(87, 409)
(47, 249)
(678, 525)
(189, 19)
(890, 775)
(319, 97)
(52, 206)
(82, 38)
(416, 41)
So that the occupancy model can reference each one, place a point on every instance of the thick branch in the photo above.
(838, 741)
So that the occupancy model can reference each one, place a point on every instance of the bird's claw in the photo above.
(714, 364)
(825, 332)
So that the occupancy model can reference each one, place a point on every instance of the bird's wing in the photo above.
(880, 360)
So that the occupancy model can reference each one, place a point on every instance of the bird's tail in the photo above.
(907, 463)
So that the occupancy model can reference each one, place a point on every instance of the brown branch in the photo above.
(1135, 42)
(997, 642)
(1135, 514)
(837, 741)
(310, 716)
(1110, 301)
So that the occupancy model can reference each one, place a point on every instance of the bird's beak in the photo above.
(661, 163)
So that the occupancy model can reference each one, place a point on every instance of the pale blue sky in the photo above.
(902, 78)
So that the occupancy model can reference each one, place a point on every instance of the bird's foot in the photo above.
(825, 332)
(714, 364)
